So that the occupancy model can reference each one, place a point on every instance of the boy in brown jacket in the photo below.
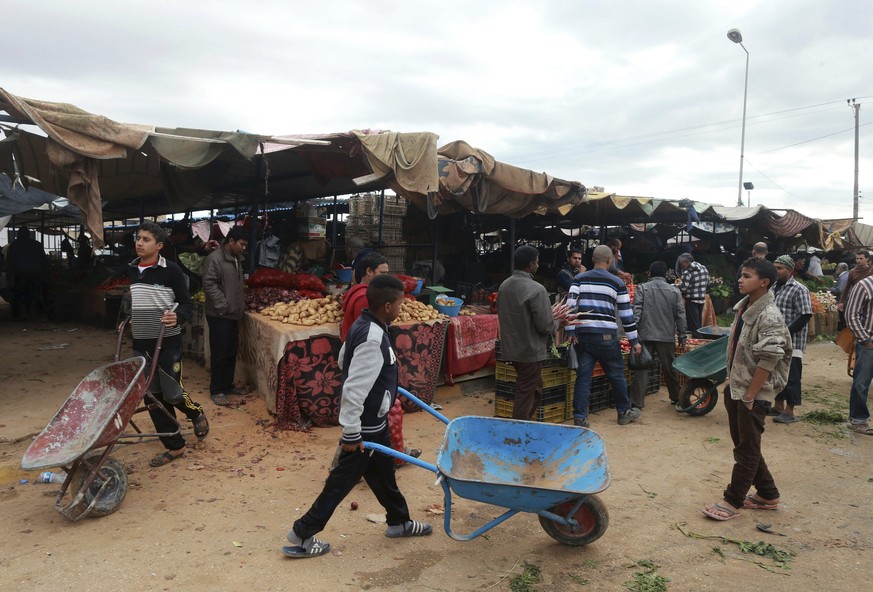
(758, 359)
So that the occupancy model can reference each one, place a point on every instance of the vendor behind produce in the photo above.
(355, 252)
(355, 300)
(225, 305)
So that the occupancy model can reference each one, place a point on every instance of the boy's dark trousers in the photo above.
(378, 471)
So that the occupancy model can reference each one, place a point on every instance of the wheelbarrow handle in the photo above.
(423, 405)
(158, 344)
(400, 456)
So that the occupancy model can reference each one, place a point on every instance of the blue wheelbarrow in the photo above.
(548, 469)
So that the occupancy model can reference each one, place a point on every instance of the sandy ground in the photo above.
(216, 519)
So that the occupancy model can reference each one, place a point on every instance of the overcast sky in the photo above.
(643, 98)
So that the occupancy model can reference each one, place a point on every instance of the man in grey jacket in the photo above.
(660, 315)
(225, 305)
(527, 321)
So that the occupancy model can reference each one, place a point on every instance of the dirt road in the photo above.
(216, 519)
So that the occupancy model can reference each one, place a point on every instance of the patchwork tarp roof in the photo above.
(115, 170)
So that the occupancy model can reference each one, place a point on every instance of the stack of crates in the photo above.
(558, 380)
(363, 223)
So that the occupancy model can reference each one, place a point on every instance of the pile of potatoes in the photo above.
(414, 311)
(318, 311)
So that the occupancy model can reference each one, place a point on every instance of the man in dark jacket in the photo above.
(571, 268)
(225, 305)
(26, 272)
(527, 322)
(660, 316)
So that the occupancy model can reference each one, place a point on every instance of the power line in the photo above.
(667, 134)
(851, 129)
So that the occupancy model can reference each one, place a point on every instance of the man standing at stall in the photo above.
(693, 285)
(155, 286)
(225, 305)
(27, 274)
(859, 318)
(571, 268)
(660, 317)
(597, 296)
(527, 322)
(793, 300)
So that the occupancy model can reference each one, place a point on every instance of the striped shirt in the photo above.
(152, 292)
(597, 294)
(858, 317)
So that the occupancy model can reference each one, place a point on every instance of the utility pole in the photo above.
(856, 107)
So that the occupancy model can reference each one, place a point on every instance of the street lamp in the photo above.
(737, 37)
(748, 186)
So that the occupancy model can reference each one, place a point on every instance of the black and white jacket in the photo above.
(369, 379)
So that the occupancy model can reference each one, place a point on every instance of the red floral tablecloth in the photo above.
(470, 345)
(310, 382)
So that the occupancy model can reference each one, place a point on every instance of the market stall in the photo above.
(470, 345)
(295, 367)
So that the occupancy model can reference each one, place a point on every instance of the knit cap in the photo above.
(785, 260)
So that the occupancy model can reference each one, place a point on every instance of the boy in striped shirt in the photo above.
(596, 295)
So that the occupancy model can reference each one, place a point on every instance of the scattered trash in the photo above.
(766, 528)
(195, 467)
(237, 544)
(436, 509)
(55, 346)
(436, 406)
(280, 468)
(354, 506)
(376, 518)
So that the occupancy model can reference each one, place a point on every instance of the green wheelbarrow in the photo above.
(706, 369)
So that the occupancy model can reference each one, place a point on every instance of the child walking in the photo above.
(369, 389)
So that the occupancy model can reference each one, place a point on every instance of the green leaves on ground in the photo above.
(647, 580)
(780, 557)
(525, 581)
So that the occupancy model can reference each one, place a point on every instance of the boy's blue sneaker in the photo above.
(411, 528)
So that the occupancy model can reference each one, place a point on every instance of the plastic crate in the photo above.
(549, 362)
(553, 376)
(547, 412)
(370, 203)
(555, 394)
(654, 383)
(602, 396)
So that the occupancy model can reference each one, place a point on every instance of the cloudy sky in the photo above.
(643, 98)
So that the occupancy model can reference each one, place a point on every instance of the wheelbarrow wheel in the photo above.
(111, 497)
(592, 516)
(698, 396)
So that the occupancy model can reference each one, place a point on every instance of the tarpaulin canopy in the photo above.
(471, 179)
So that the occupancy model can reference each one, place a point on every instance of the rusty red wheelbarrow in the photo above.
(84, 431)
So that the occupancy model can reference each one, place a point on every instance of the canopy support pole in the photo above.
(511, 244)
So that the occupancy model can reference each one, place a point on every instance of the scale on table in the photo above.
(431, 293)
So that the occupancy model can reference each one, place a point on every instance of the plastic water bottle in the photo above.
(51, 477)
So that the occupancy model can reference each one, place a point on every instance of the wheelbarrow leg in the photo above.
(447, 517)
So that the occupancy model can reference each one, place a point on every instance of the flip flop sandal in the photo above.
(782, 418)
(753, 503)
(861, 428)
(220, 399)
(201, 426)
(315, 548)
(710, 512)
(164, 459)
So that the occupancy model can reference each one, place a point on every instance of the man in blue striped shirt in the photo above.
(596, 295)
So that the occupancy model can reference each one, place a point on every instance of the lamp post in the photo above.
(748, 186)
(737, 37)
